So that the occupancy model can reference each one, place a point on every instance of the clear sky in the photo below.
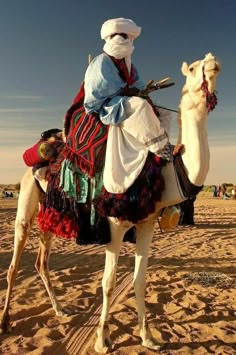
(44, 54)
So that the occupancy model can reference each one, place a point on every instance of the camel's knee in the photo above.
(108, 291)
(41, 263)
(22, 228)
(108, 288)
(103, 327)
(41, 266)
(109, 282)
(12, 272)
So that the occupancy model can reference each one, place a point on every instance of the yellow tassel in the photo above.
(45, 150)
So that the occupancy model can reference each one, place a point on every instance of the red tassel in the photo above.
(85, 166)
(50, 220)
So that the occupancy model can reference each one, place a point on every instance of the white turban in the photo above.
(120, 25)
(118, 46)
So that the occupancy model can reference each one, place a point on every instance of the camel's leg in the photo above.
(29, 198)
(144, 235)
(42, 268)
(103, 342)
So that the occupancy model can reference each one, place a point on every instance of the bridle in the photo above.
(211, 99)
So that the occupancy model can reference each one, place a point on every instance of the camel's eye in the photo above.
(191, 69)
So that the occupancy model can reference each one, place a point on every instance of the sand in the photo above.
(187, 314)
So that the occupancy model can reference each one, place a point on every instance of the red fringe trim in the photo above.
(86, 167)
(49, 220)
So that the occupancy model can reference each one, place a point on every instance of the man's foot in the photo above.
(177, 148)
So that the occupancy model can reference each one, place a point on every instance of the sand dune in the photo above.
(187, 315)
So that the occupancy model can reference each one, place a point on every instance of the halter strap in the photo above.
(211, 99)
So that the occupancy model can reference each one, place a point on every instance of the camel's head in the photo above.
(200, 72)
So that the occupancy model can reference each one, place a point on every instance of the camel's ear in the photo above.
(184, 68)
(90, 58)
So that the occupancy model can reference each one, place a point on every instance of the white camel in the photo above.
(193, 112)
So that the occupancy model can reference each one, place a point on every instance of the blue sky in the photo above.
(44, 54)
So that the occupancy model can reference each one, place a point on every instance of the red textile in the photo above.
(123, 71)
(32, 156)
(80, 96)
(86, 141)
(86, 135)
(61, 224)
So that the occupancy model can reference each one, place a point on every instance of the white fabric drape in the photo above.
(119, 48)
(128, 145)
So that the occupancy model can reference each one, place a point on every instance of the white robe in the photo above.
(129, 142)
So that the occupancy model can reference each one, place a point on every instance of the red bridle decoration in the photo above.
(211, 99)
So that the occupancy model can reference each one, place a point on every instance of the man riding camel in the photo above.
(116, 145)
(114, 89)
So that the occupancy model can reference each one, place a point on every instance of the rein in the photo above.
(165, 108)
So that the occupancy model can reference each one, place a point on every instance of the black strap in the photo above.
(49, 133)
(189, 189)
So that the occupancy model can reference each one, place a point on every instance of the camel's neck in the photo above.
(193, 134)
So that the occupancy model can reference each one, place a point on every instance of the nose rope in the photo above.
(166, 108)
(211, 99)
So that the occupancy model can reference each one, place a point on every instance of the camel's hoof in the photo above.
(101, 350)
(64, 312)
(151, 344)
(103, 347)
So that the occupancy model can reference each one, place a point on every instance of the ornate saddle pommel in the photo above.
(150, 87)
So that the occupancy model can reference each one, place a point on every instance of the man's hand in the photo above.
(126, 91)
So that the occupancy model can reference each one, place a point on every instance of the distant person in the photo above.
(214, 191)
(224, 188)
(218, 190)
(233, 192)
(225, 194)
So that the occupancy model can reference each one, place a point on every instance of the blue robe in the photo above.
(103, 85)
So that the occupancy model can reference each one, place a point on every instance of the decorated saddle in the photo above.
(76, 203)
(86, 137)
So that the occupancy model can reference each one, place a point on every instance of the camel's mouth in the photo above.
(215, 68)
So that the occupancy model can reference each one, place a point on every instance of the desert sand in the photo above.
(191, 294)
